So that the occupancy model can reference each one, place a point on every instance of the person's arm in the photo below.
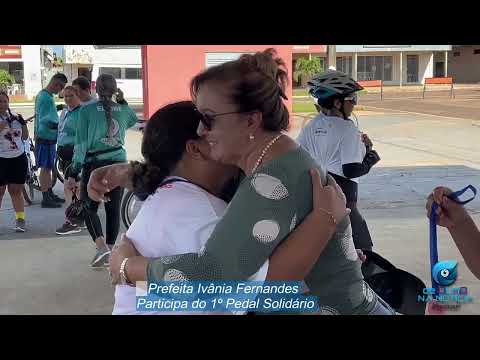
(294, 258)
(355, 170)
(106, 178)
(81, 145)
(47, 115)
(291, 260)
(132, 118)
(460, 225)
(467, 238)
(354, 163)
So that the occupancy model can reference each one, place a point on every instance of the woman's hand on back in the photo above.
(328, 199)
(105, 179)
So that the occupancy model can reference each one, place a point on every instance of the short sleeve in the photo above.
(351, 147)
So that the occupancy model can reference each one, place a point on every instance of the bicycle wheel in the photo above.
(58, 173)
(28, 193)
(130, 207)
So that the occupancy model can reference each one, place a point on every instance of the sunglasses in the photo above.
(207, 120)
(352, 99)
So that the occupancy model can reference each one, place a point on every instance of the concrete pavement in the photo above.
(41, 273)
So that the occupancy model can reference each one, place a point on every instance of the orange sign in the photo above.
(10, 51)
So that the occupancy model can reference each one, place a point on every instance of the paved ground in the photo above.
(46, 274)
(465, 105)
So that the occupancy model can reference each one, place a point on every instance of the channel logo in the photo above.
(445, 272)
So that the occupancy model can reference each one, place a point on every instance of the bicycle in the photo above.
(32, 182)
(131, 204)
(58, 170)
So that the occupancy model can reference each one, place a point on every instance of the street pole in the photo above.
(332, 56)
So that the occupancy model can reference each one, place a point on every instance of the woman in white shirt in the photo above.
(13, 161)
(184, 187)
(335, 143)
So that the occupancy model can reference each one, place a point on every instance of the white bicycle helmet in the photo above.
(332, 83)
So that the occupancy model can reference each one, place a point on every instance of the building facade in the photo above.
(464, 64)
(168, 69)
(23, 62)
(394, 64)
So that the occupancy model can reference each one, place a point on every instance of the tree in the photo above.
(306, 68)
(6, 79)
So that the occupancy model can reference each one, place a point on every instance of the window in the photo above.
(374, 68)
(476, 51)
(456, 53)
(344, 64)
(133, 73)
(387, 68)
(214, 58)
(114, 71)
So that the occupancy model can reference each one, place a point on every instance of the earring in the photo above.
(251, 137)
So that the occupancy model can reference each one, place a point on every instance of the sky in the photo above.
(58, 49)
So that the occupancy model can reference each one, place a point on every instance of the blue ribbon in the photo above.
(433, 226)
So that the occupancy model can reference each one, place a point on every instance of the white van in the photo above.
(129, 78)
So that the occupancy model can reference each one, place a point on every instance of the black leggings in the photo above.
(112, 207)
(360, 233)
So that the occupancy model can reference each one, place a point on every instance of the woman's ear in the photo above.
(337, 103)
(254, 122)
(196, 148)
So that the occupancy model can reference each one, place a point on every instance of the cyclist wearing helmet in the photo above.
(335, 143)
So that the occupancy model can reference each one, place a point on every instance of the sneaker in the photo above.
(81, 225)
(20, 225)
(101, 258)
(68, 228)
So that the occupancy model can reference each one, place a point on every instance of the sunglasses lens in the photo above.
(206, 121)
(352, 99)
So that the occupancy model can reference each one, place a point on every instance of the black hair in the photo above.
(256, 82)
(163, 145)
(18, 117)
(106, 88)
(329, 102)
(59, 77)
(82, 82)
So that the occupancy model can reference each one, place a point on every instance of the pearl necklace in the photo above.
(264, 151)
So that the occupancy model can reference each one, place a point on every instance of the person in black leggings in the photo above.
(99, 141)
(112, 207)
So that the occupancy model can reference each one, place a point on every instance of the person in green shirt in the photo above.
(99, 141)
(83, 86)
(45, 130)
(243, 119)
(65, 144)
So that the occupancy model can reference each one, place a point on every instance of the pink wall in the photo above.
(168, 69)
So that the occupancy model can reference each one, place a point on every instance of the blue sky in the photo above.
(58, 49)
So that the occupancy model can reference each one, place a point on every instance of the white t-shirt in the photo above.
(178, 218)
(333, 142)
(11, 143)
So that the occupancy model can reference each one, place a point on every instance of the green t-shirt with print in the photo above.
(93, 135)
